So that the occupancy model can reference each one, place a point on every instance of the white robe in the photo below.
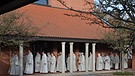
(74, 63)
(24, 62)
(81, 63)
(117, 61)
(48, 60)
(68, 63)
(37, 62)
(53, 64)
(112, 61)
(103, 57)
(107, 63)
(130, 54)
(99, 63)
(29, 64)
(59, 64)
(125, 61)
(90, 62)
(14, 68)
(44, 66)
(58, 68)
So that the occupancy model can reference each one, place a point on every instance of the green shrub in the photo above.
(123, 73)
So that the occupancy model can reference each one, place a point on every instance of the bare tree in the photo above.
(15, 27)
(116, 14)
(119, 40)
(109, 12)
(16, 30)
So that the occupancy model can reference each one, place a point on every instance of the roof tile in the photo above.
(52, 22)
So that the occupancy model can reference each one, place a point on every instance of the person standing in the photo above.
(14, 65)
(103, 57)
(117, 61)
(81, 62)
(59, 62)
(53, 63)
(99, 62)
(68, 62)
(74, 63)
(44, 66)
(79, 66)
(48, 60)
(24, 61)
(37, 62)
(29, 63)
(112, 60)
(90, 61)
(107, 62)
(125, 61)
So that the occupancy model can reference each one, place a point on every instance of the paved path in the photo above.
(97, 73)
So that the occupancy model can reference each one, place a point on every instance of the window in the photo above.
(42, 2)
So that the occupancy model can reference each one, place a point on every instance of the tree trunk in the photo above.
(21, 58)
(122, 61)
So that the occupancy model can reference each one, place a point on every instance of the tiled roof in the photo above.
(52, 22)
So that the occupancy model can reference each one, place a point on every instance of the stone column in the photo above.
(63, 56)
(93, 56)
(21, 58)
(86, 55)
(71, 57)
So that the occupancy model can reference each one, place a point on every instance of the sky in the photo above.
(41, 2)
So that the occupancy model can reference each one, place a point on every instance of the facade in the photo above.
(59, 32)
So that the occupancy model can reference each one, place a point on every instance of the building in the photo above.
(60, 32)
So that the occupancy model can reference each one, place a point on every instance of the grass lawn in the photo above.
(124, 73)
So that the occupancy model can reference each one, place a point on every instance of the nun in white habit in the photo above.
(99, 62)
(44, 66)
(103, 57)
(90, 62)
(37, 62)
(58, 62)
(125, 61)
(112, 60)
(107, 62)
(68, 62)
(24, 61)
(81, 62)
(48, 60)
(53, 63)
(117, 61)
(74, 63)
(29, 63)
(14, 65)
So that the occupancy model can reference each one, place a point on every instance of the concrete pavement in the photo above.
(96, 73)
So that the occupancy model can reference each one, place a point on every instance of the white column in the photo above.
(86, 55)
(93, 56)
(21, 58)
(71, 57)
(63, 57)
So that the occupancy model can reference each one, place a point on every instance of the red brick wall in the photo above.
(103, 48)
(5, 55)
(4, 62)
